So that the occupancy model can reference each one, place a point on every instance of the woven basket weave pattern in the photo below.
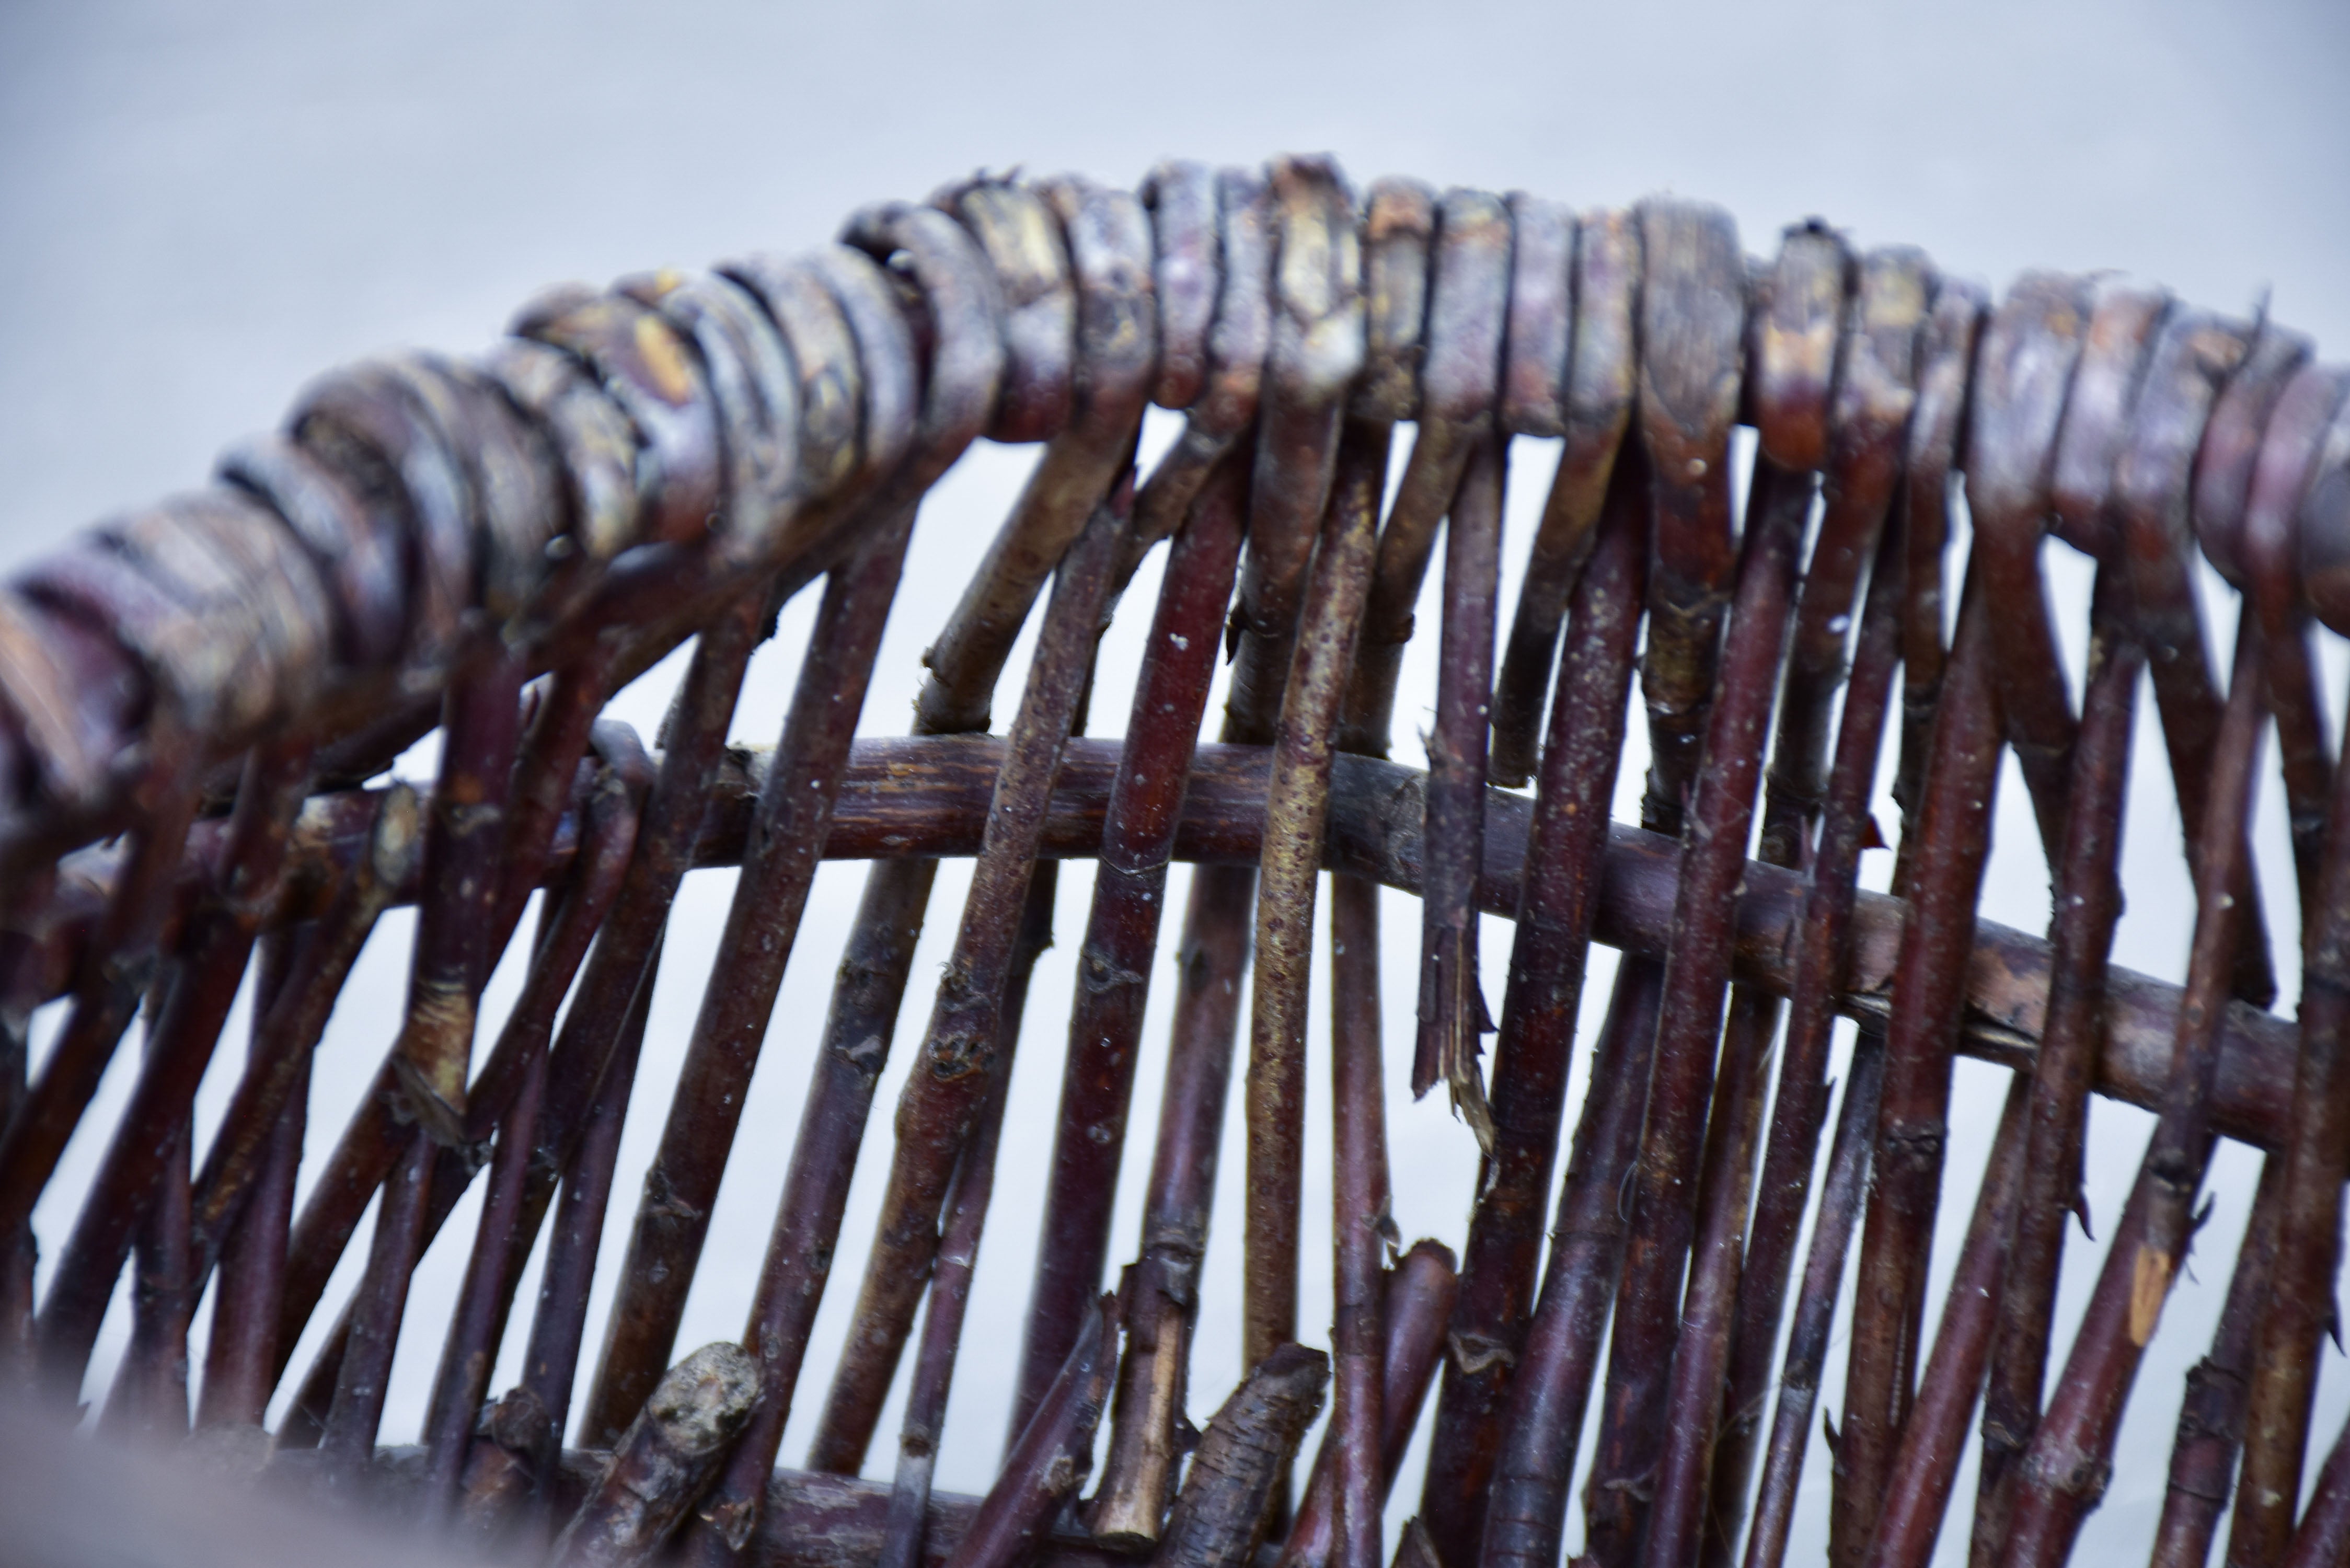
(198, 701)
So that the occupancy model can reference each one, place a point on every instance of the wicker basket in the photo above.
(198, 703)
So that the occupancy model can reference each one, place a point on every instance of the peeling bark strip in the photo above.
(1468, 313)
(1242, 1458)
(1452, 1017)
(663, 1461)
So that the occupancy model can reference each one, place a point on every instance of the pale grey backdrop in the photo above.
(202, 204)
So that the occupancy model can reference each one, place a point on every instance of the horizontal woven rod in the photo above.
(928, 796)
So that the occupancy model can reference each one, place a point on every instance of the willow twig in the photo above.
(1463, 346)
(543, 784)
(1645, 1371)
(151, 1132)
(466, 1358)
(663, 1461)
(1599, 384)
(1847, 417)
(700, 713)
(1556, 907)
(798, 1261)
(1452, 1016)
(2031, 350)
(21, 976)
(1527, 1514)
(1312, 483)
(1161, 1289)
(1214, 278)
(1416, 1299)
(478, 1322)
(2300, 1305)
(1296, 804)
(1348, 1482)
(1693, 324)
(1214, 949)
(1242, 1459)
(1815, 1303)
(106, 987)
(148, 1399)
(2325, 1531)
(2063, 1472)
(1361, 1226)
(924, 1422)
(2270, 557)
(966, 312)
(286, 1032)
(1048, 1464)
(1934, 1436)
(1799, 1112)
(2088, 904)
(1122, 927)
(1317, 347)
(2211, 1413)
(2196, 354)
(462, 840)
(1946, 361)
(551, 1357)
(1466, 335)
(511, 1440)
(1014, 225)
(681, 1185)
(1954, 832)
(363, 1366)
(238, 1362)
(961, 1043)
(913, 799)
